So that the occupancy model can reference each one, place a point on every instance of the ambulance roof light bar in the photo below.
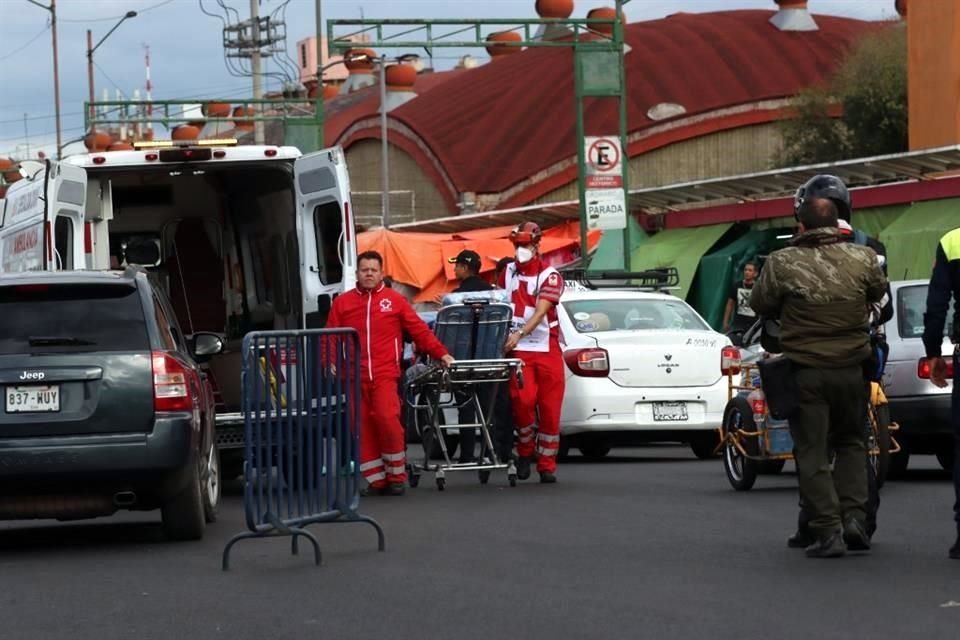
(160, 144)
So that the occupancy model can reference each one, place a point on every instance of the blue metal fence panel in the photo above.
(301, 406)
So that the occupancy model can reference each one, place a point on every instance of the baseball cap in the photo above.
(467, 257)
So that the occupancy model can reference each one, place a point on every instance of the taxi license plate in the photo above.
(34, 399)
(670, 411)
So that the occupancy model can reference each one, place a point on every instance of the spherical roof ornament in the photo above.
(359, 60)
(401, 76)
(97, 141)
(496, 50)
(604, 13)
(560, 9)
(186, 132)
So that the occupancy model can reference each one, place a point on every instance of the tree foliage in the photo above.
(871, 88)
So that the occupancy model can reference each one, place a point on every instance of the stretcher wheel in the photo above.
(484, 476)
(414, 480)
(513, 479)
(441, 484)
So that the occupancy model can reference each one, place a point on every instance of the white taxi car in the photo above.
(641, 367)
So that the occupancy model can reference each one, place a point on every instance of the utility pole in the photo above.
(258, 136)
(384, 150)
(318, 105)
(56, 74)
(56, 66)
(93, 109)
(26, 134)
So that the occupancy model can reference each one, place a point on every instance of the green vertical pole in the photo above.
(619, 39)
(581, 156)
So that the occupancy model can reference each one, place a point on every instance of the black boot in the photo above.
(830, 547)
(523, 468)
(855, 535)
(395, 489)
(548, 477)
(955, 549)
(803, 537)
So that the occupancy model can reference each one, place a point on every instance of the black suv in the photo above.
(105, 406)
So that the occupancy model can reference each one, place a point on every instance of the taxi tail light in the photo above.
(730, 361)
(171, 388)
(588, 363)
(923, 368)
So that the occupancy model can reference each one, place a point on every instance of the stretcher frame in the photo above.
(437, 388)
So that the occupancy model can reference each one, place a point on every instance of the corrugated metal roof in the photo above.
(546, 215)
(860, 172)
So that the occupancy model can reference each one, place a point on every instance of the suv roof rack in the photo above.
(651, 280)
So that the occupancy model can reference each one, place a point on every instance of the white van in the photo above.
(241, 238)
(41, 219)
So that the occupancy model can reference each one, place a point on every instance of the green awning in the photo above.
(680, 248)
(912, 238)
(875, 220)
(723, 266)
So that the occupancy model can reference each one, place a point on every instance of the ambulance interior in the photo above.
(223, 246)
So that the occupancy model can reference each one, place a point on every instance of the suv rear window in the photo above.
(911, 305)
(71, 317)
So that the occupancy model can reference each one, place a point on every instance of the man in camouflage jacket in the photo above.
(820, 288)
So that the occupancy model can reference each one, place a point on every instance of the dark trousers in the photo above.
(829, 423)
(955, 408)
(502, 421)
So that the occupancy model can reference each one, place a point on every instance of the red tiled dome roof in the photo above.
(501, 123)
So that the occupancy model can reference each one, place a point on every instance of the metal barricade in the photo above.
(301, 407)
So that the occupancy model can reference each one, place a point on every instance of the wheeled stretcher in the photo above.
(473, 327)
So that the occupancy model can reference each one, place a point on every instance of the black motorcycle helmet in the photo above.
(824, 186)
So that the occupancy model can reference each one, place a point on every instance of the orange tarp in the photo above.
(421, 259)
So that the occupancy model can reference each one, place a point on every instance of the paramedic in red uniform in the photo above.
(380, 315)
(535, 291)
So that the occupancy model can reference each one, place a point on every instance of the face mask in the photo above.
(524, 254)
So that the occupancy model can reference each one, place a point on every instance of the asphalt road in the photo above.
(648, 544)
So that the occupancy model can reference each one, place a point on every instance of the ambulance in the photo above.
(41, 219)
(240, 237)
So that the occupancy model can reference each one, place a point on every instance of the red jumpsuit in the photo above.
(536, 406)
(380, 317)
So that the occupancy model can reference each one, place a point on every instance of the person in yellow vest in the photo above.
(944, 285)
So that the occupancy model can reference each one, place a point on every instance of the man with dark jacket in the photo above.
(467, 269)
(466, 266)
(820, 289)
(944, 285)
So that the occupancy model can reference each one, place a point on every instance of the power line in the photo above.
(24, 45)
(144, 10)
(100, 69)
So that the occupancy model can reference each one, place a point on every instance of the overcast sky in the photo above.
(187, 53)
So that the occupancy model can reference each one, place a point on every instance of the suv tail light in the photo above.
(923, 368)
(589, 363)
(730, 361)
(171, 384)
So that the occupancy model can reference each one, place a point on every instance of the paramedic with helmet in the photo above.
(535, 291)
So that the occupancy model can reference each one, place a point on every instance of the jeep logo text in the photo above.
(33, 375)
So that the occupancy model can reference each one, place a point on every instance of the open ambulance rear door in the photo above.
(42, 224)
(328, 242)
